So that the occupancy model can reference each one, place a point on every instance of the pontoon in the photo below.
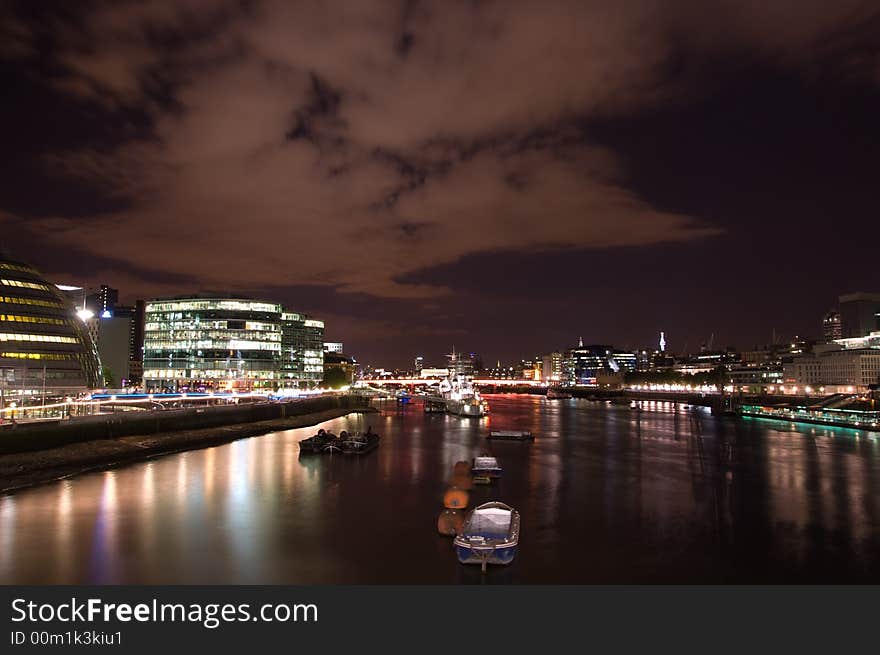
(512, 435)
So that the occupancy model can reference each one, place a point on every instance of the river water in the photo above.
(607, 494)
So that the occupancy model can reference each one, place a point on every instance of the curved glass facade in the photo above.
(211, 343)
(45, 349)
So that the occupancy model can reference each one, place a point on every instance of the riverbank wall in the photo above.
(109, 443)
(26, 437)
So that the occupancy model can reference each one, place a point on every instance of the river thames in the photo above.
(607, 494)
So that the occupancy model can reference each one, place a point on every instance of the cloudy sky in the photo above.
(499, 176)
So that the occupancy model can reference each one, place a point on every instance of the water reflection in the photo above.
(607, 494)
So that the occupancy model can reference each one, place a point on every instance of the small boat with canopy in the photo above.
(490, 535)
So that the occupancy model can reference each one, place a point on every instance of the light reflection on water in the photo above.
(606, 493)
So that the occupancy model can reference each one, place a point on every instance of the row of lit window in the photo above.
(23, 285)
(36, 302)
(45, 320)
(16, 267)
(45, 338)
(54, 357)
(208, 344)
(177, 326)
(194, 305)
(213, 335)
(215, 374)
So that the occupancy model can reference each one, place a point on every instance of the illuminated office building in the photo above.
(831, 327)
(103, 301)
(552, 367)
(45, 349)
(583, 364)
(212, 343)
(302, 350)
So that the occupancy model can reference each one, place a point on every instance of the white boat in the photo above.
(556, 393)
(490, 535)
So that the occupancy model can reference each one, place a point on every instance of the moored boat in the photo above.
(360, 443)
(315, 444)
(512, 435)
(490, 535)
(557, 393)
(486, 466)
(462, 398)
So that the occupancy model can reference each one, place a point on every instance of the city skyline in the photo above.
(597, 173)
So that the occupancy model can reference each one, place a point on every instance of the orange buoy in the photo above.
(455, 498)
(462, 481)
(450, 522)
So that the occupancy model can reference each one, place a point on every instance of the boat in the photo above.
(490, 535)
(557, 393)
(316, 444)
(486, 466)
(333, 446)
(461, 398)
(511, 435)
(357, 443)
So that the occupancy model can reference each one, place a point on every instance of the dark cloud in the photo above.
(370, 150)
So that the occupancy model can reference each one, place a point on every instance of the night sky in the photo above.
(503, 177)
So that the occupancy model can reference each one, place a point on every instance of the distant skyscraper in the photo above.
(103, 301)
(583, 363)
(859, 314)
(552, 367)
(831, 328)
(419, 363)
(662, 342)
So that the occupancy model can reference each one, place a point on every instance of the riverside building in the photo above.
(212, 343)
(203, 343)
(45, 349)
(302, 344)
(850, 362)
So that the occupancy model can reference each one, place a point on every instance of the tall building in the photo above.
(583, 364)
(623, 361)
(302, 350)
(552, 367)
(859, 314)
(103, 301)
(419, 364)
(119, 337)
(136, 342)
(209, 342)
(112, 337)
(831, 328)
(45, 349)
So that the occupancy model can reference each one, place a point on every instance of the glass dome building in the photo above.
(45, 349)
